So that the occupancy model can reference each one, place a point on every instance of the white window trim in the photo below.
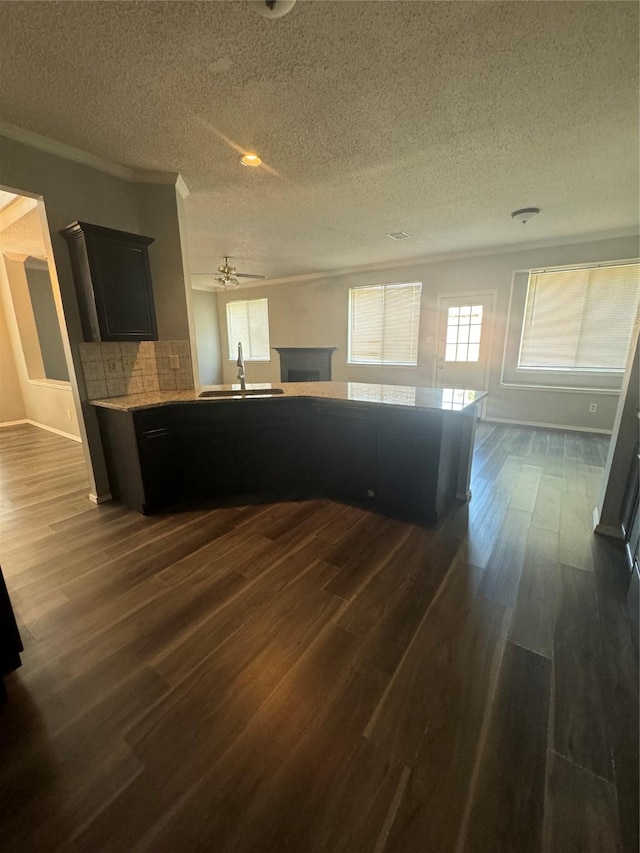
(233, 358)
(531, 378)
(406, 365)
(55, 384)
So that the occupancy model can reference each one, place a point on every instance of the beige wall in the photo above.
(315, 314)
(45, 402)
(72, 191)
(11, 402)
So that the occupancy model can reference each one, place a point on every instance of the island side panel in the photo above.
(409, 448)
(451, 452)
(468, 420)
(122, 457)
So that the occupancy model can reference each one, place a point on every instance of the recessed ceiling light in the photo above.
(250, 159)
(399, 235)
(525, 214)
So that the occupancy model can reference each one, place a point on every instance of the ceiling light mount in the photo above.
(249, 158)
(399, 235)
(525, 214)
(272, 8)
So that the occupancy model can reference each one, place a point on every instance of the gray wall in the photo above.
(315, 314)
(205, 313)
(73, 191)
(44, 312)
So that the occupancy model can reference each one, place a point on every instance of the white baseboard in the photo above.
(53, 429)
(13, 423)
(548, 426)
(41, 426)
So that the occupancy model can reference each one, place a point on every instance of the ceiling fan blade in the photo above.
(247, 275)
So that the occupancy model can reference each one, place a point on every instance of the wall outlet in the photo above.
(593, 407)
(112, 365)
(174, 362)
(69, 413)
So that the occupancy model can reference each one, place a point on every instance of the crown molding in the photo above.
(16, 210)
(84, 158)
(467, 254)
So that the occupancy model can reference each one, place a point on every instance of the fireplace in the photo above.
(305, 364)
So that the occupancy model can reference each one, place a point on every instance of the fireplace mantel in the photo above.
(305, 364)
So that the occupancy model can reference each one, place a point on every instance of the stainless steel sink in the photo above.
(249, 392)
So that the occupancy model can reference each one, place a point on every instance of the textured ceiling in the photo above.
(437, 119)
(24, 236)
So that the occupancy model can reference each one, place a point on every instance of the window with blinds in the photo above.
(383, 324)
(580, 319)
(248, 323)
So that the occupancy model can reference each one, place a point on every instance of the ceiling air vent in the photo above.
(399, 235)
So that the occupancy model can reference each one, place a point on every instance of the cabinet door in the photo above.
(206, 437)
(270, 449)
(408, 465)
(158, 464)
(343, 450)
(112, 276)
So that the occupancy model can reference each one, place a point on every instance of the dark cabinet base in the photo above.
(406, 464)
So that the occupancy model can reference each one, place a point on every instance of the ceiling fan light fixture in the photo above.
(250, 159)
(525, 214)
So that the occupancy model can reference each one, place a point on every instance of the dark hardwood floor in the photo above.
(313, 678)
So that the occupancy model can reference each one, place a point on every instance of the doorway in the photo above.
(465, 325)
(39, 385)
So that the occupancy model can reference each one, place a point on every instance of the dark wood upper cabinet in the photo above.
(113, 280)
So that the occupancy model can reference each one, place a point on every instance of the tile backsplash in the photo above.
(112, 369)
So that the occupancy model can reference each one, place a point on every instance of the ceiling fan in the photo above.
(228, 278)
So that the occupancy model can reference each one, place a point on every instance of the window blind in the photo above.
(383, 323)
(248, 323)
(580, 319)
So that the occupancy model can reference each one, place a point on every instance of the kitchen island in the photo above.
(401, 450)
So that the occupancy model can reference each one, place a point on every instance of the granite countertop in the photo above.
(440, 399)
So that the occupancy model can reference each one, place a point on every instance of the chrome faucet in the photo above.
(241, 373)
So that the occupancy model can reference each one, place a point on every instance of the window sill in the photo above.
(382, 364)
(527, 386)
(56, 384)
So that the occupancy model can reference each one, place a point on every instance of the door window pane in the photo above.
(464, 325)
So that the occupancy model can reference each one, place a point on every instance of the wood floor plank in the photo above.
(191, 811)
(505, 817)
(433, 723)
(534, 617)
(576, 526)
(581, 812)
(504, 566)
(621, 672)
(554, 460)
(525, 492)
(546, 511)
(363, 558)
(579, 725)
